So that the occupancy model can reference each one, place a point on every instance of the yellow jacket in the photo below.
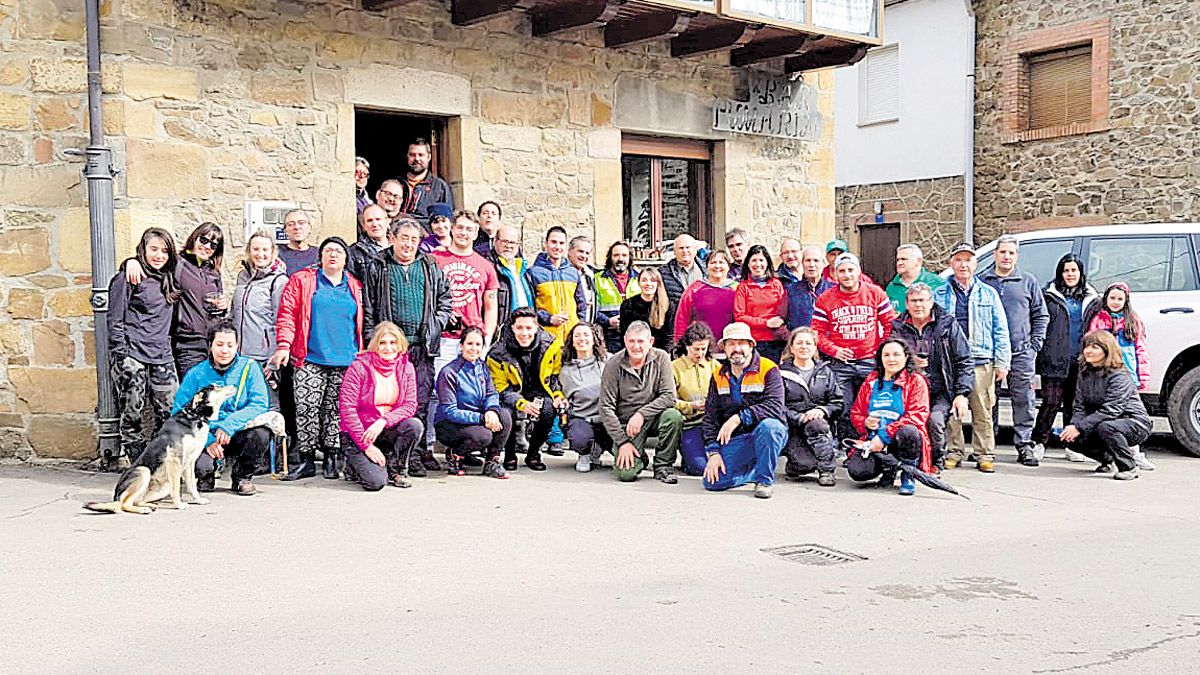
(691, 384)
(506, 372)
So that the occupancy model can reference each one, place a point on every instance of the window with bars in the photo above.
(879, 86)
(1060, 88)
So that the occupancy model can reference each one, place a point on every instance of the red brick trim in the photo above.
(1015, 88)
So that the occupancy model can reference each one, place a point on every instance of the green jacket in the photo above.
(897, 291)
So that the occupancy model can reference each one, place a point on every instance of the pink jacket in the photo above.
(1104, 321)
(356, 400)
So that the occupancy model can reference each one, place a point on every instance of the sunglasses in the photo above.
(361, 174)
(211, 242)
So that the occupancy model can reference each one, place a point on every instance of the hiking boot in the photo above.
(986, 466)
(472, 461)
(535, 463)
(349, 474)
(454, 465)
(1026, 456)
(243, 488)
(1039, 451)
(206, 483)
(907, 485)
(583, 464)
(1072, 456)
(952, 463)
(510, 464)
(554, 449)
(762, 491)
(665, 475)
(1128, 474)
(1141, 460)
(887, 479)
(399, 480)
(329, 465)
(305, 469)
(429, 461)
(492, 469)
(826, 479)
(416, 469)
(1104, 468)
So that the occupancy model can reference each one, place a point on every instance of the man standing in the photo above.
(389, 196)
(297, 254)
(372, 244)
(511, 271)
(422, 188)
(1028, 319)
(557, 288)
(910, 268)
(851, 321)
(940, 351)
(680, 272)
(580, 255)
(637, 397)
(736, 244)
(409, 289)
(616, 283)
(473, 286)
(362, 173)
(745, 425)
(980, 314)
(801, 276)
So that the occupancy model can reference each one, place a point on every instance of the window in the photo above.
(879, 86)
(1039, 258)
(1060, 88)
(665, 189)
(1146, 264)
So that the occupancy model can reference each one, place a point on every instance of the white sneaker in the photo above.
(1142, 461)
(1039, 451)
(583, 464)
(1073, 456)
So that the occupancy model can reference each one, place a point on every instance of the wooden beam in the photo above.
(572, 15)
(826, 58)
(715, 39)
(379, 5)
(770, 49)
(645, 28)
(468, 12)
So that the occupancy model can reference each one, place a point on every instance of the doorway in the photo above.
(382, 139)
(878, 246)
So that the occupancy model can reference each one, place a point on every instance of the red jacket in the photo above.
(356, 399)
(916, 410)
(753, 304)
(295, 312)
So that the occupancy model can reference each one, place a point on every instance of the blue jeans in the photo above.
(751, 458)
(691, 446)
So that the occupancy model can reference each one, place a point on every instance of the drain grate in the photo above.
(813, 554)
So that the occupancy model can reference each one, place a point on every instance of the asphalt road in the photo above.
(1048, 570)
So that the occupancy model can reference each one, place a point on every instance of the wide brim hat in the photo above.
(736, 331)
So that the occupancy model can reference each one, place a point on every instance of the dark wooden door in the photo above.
(878, 254)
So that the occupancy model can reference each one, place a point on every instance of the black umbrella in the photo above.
(890, 462)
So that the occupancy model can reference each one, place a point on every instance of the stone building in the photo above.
(566, 112)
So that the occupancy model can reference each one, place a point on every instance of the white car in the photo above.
(1160, 264)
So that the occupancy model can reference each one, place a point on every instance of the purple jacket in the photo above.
(356, 400)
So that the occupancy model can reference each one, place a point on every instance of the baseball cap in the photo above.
(962, 248)
(837, 245)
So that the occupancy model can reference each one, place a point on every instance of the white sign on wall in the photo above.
(267, 215)
(777, 107)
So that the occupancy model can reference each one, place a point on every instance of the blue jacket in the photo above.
(1025, 307)
(465, 392)
(250, 401)
(988, 326)
(802, 297)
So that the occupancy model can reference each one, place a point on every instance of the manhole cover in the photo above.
(813, 554)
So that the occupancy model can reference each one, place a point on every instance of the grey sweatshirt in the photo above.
(580, 382)
(625, 390)
(255, 306)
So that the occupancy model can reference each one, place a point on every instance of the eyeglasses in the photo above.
(361, 174)
(208, 241)
(394, 195)
(507, 241)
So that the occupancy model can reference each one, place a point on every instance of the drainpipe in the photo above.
(99, 172)
(969, 124)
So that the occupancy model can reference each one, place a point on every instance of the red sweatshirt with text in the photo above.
(858, 321)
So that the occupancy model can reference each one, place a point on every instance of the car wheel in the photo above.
(1183, 409)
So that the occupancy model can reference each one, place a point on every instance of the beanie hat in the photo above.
(333, 241)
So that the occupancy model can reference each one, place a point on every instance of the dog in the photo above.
(169, 458)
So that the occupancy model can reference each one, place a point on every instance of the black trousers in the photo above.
(189, 350)
(287, 408)
(850, 377)
(906, 447)
(423, 365)
(939, 411)
(539, 431)
(583, 434)
(810, 448)
(1056, 393)
(245, 450)
(475, 438)
(396, 443)
(1109, 441)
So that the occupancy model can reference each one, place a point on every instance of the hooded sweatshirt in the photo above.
(256, 298)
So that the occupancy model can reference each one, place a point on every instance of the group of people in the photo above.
(434, 336)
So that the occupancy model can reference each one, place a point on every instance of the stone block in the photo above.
(58, 113)
(13, 150)
(26, 303)
(12, 420)
(48, 281)
(160, 170)
(502, 107)
(193, 132)
(63, 436)
(52, 344)
(602, 112)
(43, 151)
(54, 390)
(557, 143)
(13, 443)
(15, 111)
(65, 76)
(604, 144)
(13, 69)
(51, 20)
(89, 347)
(51, 185)
(24, 250)
(71, 302)
(264, 117)
(150, 80)
(510, 137)
(13, 339)
(283, 89)
(140, 119)
(643, 105)
(395, 88)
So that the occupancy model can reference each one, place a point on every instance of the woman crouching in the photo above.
(469, 416)
(377, 403)
(890, 413)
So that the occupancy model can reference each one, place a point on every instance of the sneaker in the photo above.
(1039, 451)
(510, 464)
(472, 461)
(416, 469)
(887, 479)
(535, 464)
(1129, 474)
(1104, 468)
(454, 466)
(826, 479)
(763, 491)
(1026, 456)
(493, 469)
(400, 480)
(1073, 456)
(583, 464)
(430, 463)
(986, 466)
(951, 462)
(554, 449)
(665, 475)
(244, 488)
(907, 485)
(1141, 460)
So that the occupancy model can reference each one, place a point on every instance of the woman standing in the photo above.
(256, 298)
(469, 416)
(693, 372)
(709, 300)
(1068, 298)
(814, 400)
(1109, 417)
(649, 305)
(319, 329)
(582, 364)
(139, 341)
(761, 303)
(890, 413)
(377, 407)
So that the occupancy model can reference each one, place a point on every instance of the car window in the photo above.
(1040, 257)
(1146, 264)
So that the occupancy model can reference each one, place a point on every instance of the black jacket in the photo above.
(417, 200)
(1106, 394)
(1058, 354)
(377, 300)
(949, 353)
(822, 391)
(635, 308)
(362, 253)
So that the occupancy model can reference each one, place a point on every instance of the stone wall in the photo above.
(210, 103)
(1144, 167)
(930, 212)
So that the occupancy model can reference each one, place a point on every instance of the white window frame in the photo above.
(865, 90)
